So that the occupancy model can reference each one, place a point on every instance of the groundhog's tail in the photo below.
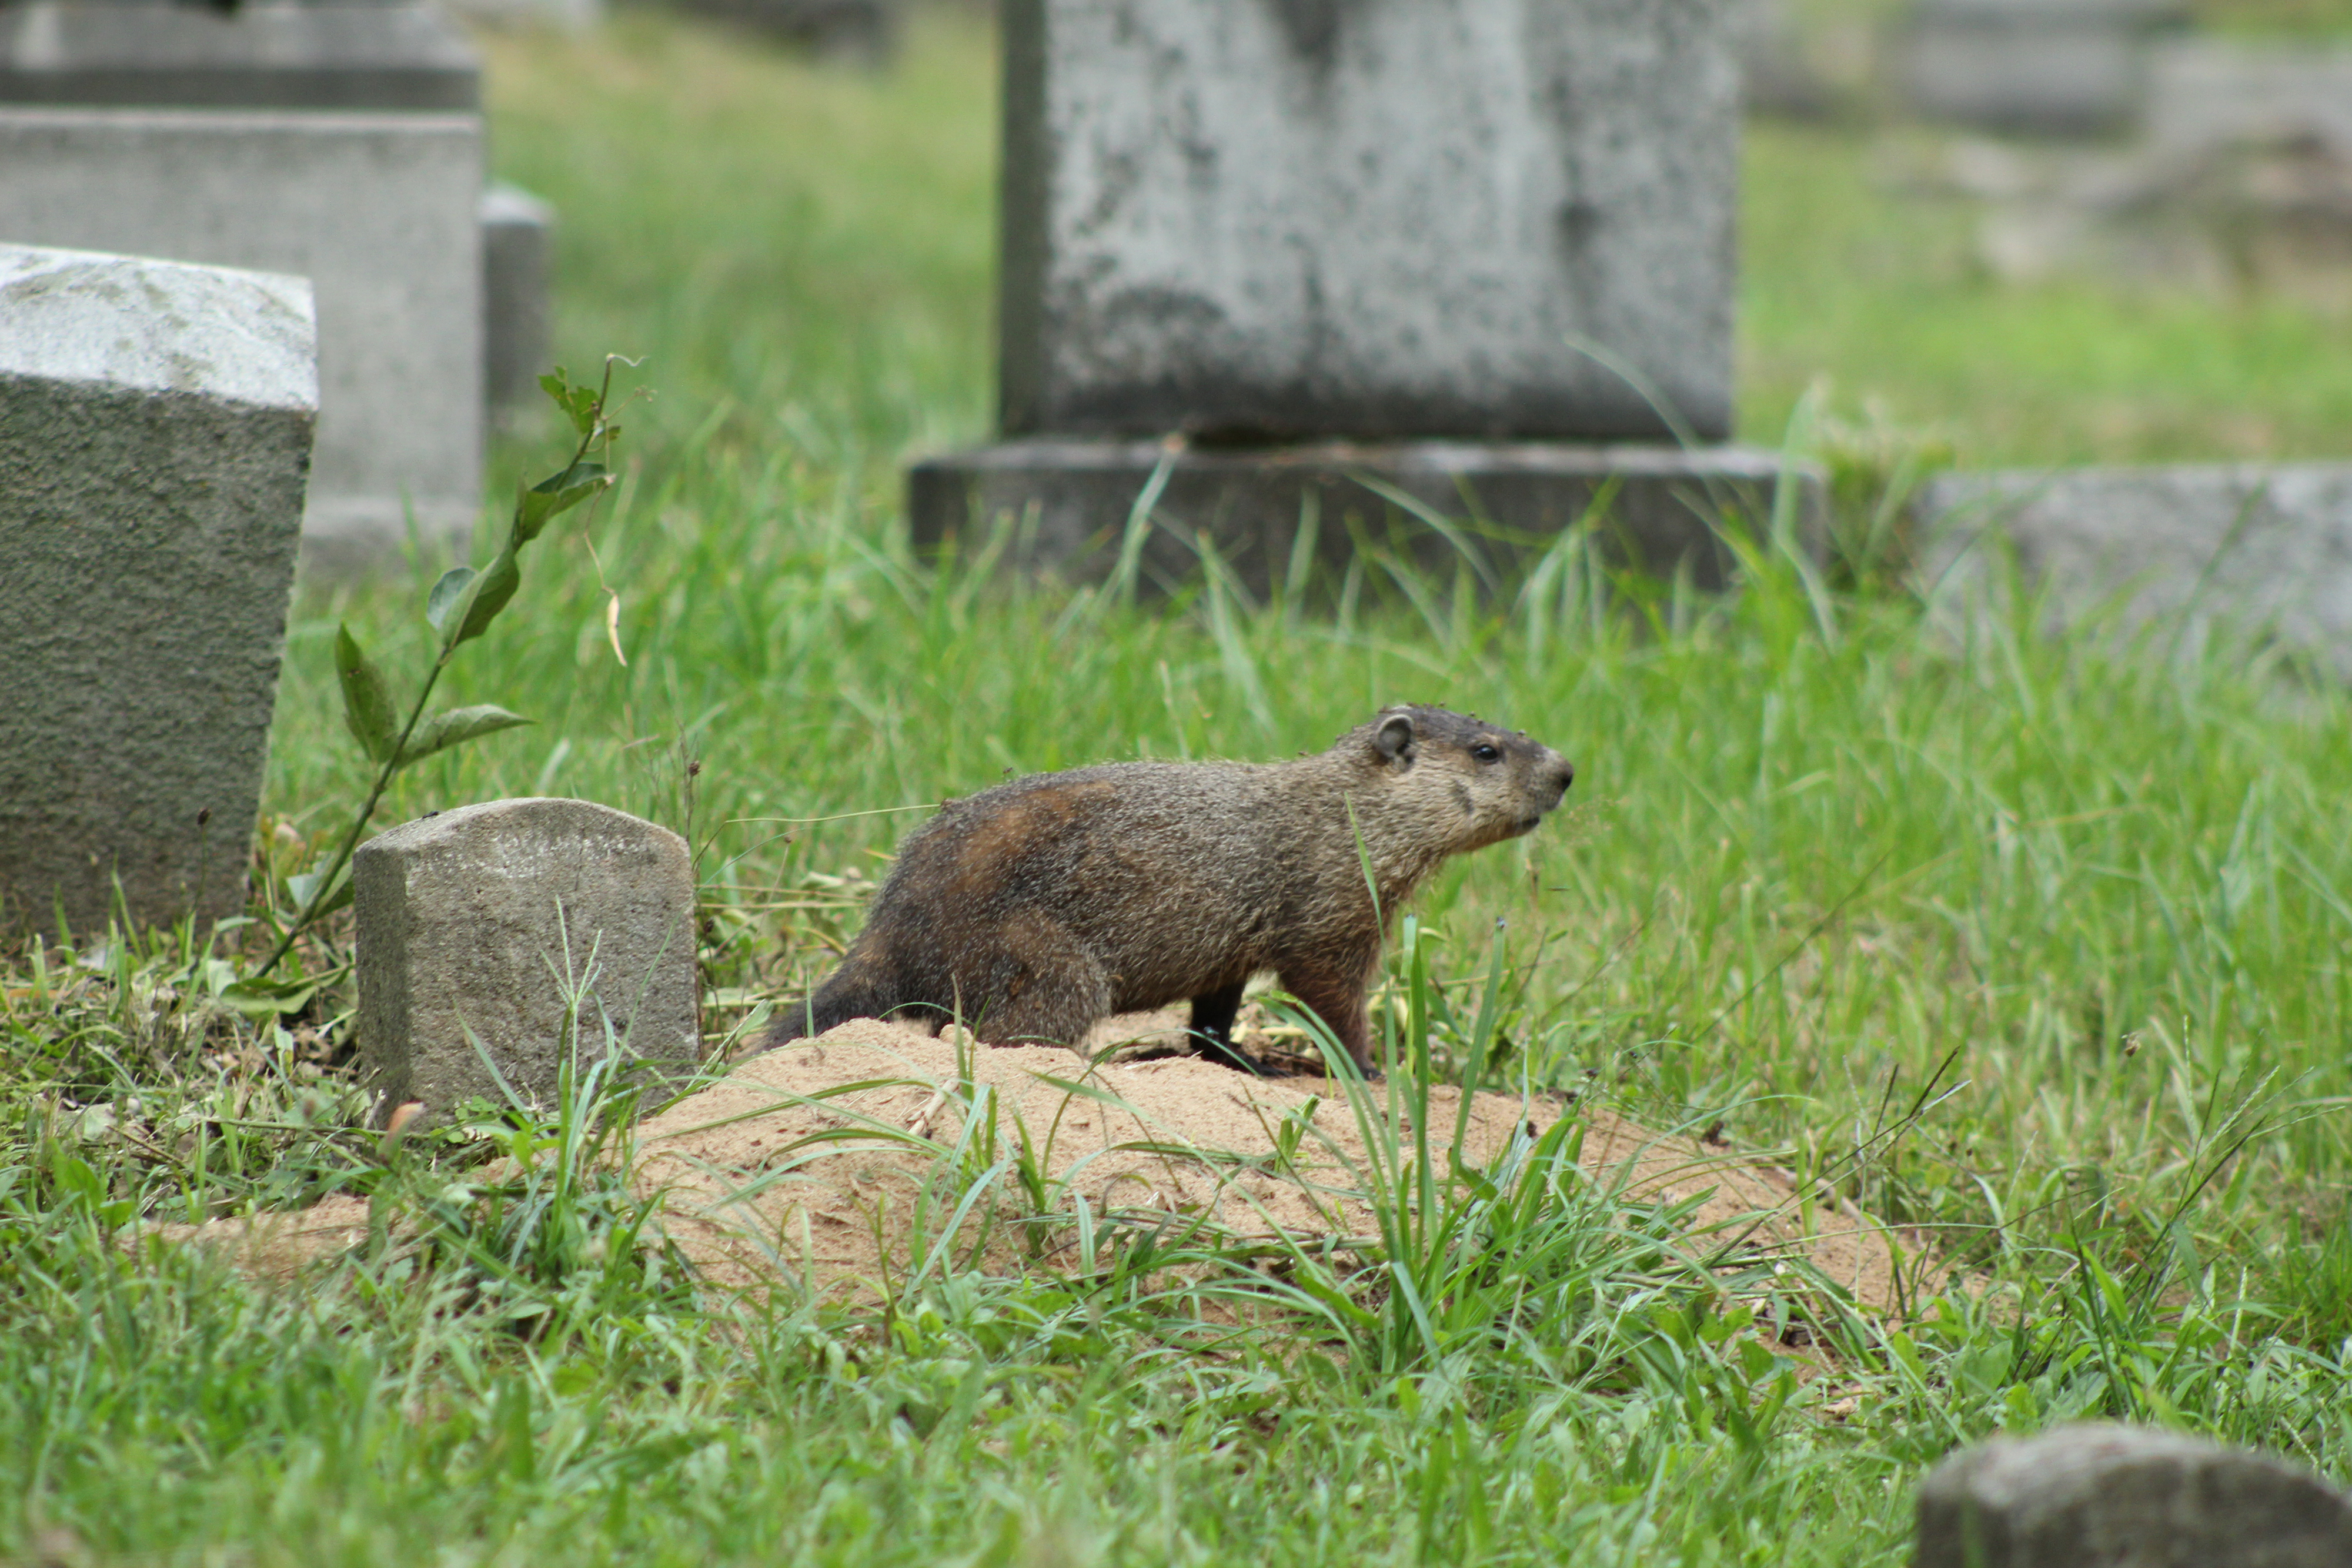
(839, 1000)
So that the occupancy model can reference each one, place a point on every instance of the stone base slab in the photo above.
(348, 536)
(1063, 506)
(2265, 548)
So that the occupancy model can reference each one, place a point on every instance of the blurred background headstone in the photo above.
(2049, 67)
(518, 241)
(2205, 93)
(336, 140)
(1777, 74)
(330, 54)
(858, 31)
(2265, 548)
(561, 15)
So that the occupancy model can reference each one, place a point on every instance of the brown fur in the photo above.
(1042, 906)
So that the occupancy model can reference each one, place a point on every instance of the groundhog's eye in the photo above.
(1486, 753)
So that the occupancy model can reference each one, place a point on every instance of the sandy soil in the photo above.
(800, 1163)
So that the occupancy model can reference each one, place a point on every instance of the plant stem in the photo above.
(595, 431)
(359, 823)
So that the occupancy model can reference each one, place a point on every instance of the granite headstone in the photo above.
(155, 425)
(482, 919)
(1262, 226)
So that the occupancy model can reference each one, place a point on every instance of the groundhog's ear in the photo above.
(1394, 738)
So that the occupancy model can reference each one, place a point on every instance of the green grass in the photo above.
(2283, 21)
(1879, 295)
(808, 251)
(2042, 941)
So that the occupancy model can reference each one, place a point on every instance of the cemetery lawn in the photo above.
(2040, 943)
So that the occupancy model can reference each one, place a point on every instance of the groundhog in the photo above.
(1040, 906)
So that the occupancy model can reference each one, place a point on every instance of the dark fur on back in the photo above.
(1035, 908)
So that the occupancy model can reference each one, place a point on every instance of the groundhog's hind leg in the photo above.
(1048, 989)
(1212, 1027)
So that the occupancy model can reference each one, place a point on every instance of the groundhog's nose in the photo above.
(1564, 775)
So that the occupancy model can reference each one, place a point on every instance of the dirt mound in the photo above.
(821, 1162)
(279, 1246)
(787, 1163)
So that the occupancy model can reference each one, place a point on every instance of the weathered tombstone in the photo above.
(474, 918)
(2125, 1496)
(1304, 238)
(337, 141)
(2048, 66)
(155, 423)
(2264, 547)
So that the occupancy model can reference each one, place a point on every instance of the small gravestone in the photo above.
(2122, 1497)
(1307, 238)
(2261, 547)
(155, 424)
(474, 919)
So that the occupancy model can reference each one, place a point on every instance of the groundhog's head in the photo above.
(1466, 782)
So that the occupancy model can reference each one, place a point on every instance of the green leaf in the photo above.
(578, 404)
(75, 1175)
(268, 999)
(445, 594)
(484, 598)
(367, 700)
(303, 886)
(443, 730)
(550, 497)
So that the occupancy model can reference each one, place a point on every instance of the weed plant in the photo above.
(2034, 940)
